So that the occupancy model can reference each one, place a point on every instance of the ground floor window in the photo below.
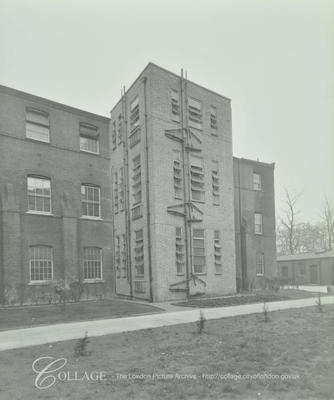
(259, 264)
(198, 251)
(92, 263)
(41, 263)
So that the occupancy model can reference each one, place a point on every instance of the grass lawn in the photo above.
(18, 317)
(296, 343)
(248, 298)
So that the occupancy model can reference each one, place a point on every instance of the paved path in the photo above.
(25, 337)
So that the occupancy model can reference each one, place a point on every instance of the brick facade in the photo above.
(168, 201)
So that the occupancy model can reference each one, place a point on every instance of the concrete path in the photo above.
(26, 337)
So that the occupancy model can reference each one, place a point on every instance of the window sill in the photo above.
(91, 218)
(200, 273)
(258, 234)
(38, 283)
(259, 274)
(40, 213)
(93, 281)
(37, 140)
(90, 152)
(180, 274)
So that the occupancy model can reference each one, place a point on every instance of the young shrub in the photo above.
(319, 304)
(266, 316)
(80, 348)
(201, 322)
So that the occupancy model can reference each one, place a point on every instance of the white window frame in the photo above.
(139, 253)
(175, 105)
(213, 120)
(217, 252)
(98, 259)
(89, 135)
(196, 237)
(257, 181)
(197, 178)
(260, 264)
(179, 250)
(87, 202)
(36, 195)
(41, 260)
(258, 223)
(195, 114)
(37, 119)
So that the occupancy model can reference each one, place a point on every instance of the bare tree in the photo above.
(328, 220)
(289, 223)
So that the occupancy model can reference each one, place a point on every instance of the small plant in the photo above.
(266, 316)
(80, 348)
(319, 304)
(201, 322)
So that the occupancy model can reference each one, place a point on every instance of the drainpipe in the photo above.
(186, 198)
(147, 184)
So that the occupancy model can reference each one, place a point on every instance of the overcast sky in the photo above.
(273, 58)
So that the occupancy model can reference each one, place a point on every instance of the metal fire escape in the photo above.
(191, 213)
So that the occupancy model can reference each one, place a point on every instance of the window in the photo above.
(259, 264)
(258, 223)
(194, 113)
(197, 178)
(116, 192)
(119, 129)
(177, 175)
(118, 256)
(121, 189)
(134, 123)
(113, 135)
(89, 141)
(302, 268)
(217, 253)
(92, 263)
(213, 120)
(41, 263)
(257, 181)
(124, 257)
(90, 201)
(37, 125)
(198, 251)
(179, 251)
(139, 253)
(175, 105)
(285, 272)
(39, 194)
(136, 180)
(215, 183)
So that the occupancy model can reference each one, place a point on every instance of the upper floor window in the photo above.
(136, 180)
(37, 125)
(215, 183)
(198, 251)
(119, 129)
(40, 263)
(114, 135)
(139, 253)
(177, 175)
(175, 105)
(258, 223)
(134, 113)
(257, 185)
(92, 263)
(90, 201)
(260, 264)
(213, 120)
(197, 178)
(89, 138)
(195, 113)
(39, 194)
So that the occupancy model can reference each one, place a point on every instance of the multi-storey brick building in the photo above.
(140, 204)
(254, 200)
(56, 219)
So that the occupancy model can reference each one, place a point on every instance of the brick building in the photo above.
(140, 204)
(254, 200)
(315, 268)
